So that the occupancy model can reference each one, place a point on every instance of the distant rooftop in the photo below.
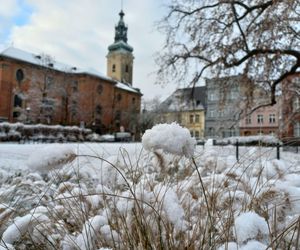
(40, 60)
(186, 99)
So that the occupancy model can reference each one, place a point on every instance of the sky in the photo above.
(78, 32)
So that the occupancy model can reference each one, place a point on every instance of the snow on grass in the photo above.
(87, 204)
(249, 226)
(171, 138)
(50, 157)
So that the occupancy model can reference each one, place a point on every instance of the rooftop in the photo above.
(186, 99)
(44, 60)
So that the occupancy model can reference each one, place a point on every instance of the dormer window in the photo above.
(114, 68)
(50, 65)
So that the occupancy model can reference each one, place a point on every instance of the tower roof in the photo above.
(121, 39)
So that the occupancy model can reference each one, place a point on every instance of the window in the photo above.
(49, 82)
(191, 118)
(212, 96)
(197, 118)
(260, 119)
(272, 118)
(232, 132)
(296, 104)
(19, 75)
(113, 68)
(99, 89)
(233, 94)
(17, 101)
(98, 110)
(211, 113)
(211, 132)
(75, 86)
(133, 100)
(197, 134)
(248, 119)
(118, 115)
(119, 97)
(192, 133)
(126, 69)
(297, 129)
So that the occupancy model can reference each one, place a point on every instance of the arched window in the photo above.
(113, 68)
(19, 75)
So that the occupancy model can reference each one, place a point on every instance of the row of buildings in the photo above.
(234, 106)
(34, 88)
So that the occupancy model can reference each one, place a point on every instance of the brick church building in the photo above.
(37, 89)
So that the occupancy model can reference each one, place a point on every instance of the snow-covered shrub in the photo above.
(171, 138)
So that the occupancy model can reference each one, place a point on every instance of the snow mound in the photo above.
(171, 138)
(250, 226)
(254, 245)
(50, 157)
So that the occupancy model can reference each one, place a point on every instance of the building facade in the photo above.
(224, 104)
(263, 121)
(187, 108)
(37, 89)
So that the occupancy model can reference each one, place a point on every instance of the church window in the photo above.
(17, 101)
(119, 97)
(19, 75)
(49, 82)
(98, 110)
(75, 86)
(114, 68)
(100, 89)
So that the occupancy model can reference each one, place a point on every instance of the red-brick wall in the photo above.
(93, 101)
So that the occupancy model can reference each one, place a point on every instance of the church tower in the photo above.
(120, 57)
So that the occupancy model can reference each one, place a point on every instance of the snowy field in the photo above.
(120, 196)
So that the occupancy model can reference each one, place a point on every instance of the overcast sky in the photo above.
(78, 32)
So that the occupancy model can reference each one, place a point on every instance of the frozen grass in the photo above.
(132, 199)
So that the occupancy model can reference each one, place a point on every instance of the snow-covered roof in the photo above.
(127, 87)
(39, 59)
(185, 100)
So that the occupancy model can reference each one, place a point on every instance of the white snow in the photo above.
(89, 202)
(171, 138)
(249, 226)
(50, 157)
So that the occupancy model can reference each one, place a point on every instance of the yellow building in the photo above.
(187, 108)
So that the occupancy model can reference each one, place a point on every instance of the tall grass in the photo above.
(152, 201)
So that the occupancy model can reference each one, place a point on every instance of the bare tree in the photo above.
(257, 38)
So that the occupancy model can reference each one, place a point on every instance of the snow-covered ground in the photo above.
(98, 196)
